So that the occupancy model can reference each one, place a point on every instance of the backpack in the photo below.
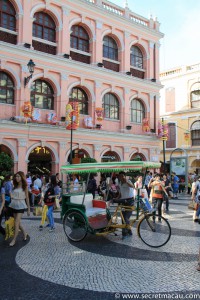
(90, 186)
(49, 192)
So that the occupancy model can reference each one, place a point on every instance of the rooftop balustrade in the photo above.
(125, 13)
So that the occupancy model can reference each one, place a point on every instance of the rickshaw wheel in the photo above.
(75, 226)
(154, 231)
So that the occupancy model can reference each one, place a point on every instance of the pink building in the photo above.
(88, 51)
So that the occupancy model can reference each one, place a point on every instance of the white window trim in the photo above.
(80, 52)
(111, 60)
(8, 30)
(44, 41)
(1, 103)
(112, 120)
(139, 69)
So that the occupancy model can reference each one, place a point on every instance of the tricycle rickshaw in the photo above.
(81, 214)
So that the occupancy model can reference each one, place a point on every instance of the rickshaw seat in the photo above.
(93, 211)
(90, 210)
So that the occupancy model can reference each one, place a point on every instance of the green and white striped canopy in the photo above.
(109, 167)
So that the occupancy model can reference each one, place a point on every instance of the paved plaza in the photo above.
(48, 266)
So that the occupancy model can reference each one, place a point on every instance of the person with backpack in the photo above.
(50, 195)
(92, 185)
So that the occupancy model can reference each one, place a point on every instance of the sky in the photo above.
(180, 23)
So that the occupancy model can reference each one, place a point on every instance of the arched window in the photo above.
(195, 133)
(137, 111)
(195, 95)
(44, 27)
(7, 15)
(80, 96)
(6, 89)
(110, 49)
(136, 57)
(79, 38)
(42, 95)
(111, 106)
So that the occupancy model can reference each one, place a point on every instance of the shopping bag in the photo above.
(191, 205)
(10, 228)
(57, 203)
(194, 216)
(37, 211)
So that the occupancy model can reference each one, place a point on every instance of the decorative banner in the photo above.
(186, 136)
(52, 118)
(72, 115)
(27, 110)
(160, 130)
(88, 122)
(36, 114)
(163, 131)
(99, 112)
(145, 125)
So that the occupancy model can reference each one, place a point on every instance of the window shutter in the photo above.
(171, 142)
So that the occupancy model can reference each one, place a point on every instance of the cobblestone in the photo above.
(51, 267)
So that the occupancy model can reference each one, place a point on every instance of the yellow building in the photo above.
(180, 109)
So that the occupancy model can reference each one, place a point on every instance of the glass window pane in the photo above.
(38, 87)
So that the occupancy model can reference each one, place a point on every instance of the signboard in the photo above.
(178, 165)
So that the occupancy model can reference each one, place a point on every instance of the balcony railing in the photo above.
(43, 47)
(124, 12)
(8, 37)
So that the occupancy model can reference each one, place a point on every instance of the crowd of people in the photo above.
(19, 193)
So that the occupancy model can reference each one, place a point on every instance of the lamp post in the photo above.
(164, 139)
(72, 117)
(71, 138)
(31, 67)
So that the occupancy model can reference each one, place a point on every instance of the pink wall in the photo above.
(64, 74)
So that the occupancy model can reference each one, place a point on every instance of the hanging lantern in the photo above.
(145, 125)
(186, 136)
(99, 112)
(72, 115)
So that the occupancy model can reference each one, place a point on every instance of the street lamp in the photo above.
(71, 139)
(164, 139)
(72, 121)
(31, 67)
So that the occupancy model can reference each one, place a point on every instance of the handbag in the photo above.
(165, 197)
(191, 205)
(10, 228)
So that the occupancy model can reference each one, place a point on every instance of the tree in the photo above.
(87, 160)
(6, 164)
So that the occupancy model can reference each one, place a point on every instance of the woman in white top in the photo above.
(19, 203)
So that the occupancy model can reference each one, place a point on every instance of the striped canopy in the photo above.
(109, 167)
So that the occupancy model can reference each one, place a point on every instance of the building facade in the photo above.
(91, 52)
(180, 109)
